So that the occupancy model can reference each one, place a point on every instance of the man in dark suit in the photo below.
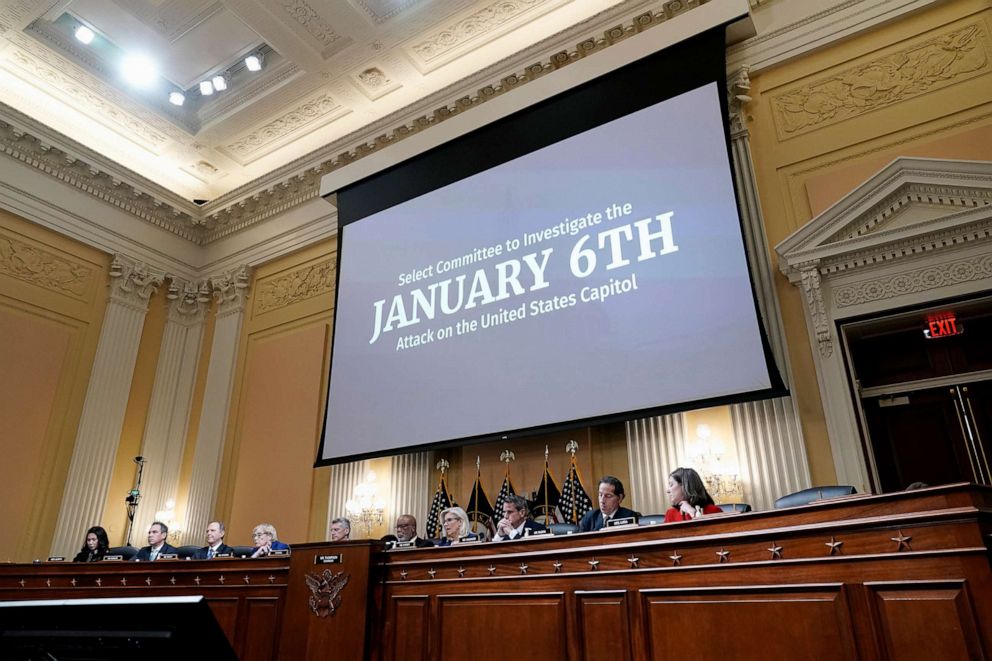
(515, 523)
(406, 531)
(611, 494)
(158, 532)
(215, 543)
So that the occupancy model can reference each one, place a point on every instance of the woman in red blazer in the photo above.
(688, 495)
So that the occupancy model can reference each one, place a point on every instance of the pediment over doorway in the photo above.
(911, 206)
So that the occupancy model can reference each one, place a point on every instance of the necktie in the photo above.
(210, 554)
(153, 555)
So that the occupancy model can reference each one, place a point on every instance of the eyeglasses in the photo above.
(260, 534)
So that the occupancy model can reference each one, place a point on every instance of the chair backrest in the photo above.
(187, 551)
(735, 507)
(651, 519)
(127, 552)
(243, 551)
(563, 528)
(814, 493)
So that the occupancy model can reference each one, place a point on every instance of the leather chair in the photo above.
(127, 552)
(651, 519)
(186, 552)
(735, 507)
(807, 496)
(563, 528)
(243, 551)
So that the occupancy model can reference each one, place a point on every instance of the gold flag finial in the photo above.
(442, 466)
(571, 446)
(507, 456)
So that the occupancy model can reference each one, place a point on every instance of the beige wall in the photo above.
(52, 299)
(823, 124)
(277, 410)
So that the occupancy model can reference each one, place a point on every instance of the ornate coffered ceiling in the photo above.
(342, 79)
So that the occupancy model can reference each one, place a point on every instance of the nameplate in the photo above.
(536, 533)
(620, 523)
(328, 559)
(167, 556)
(404, 545)
(279, 552)
(56, 558)
(469, 539)
(113, 558)
(223, 555)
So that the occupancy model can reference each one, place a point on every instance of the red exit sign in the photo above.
(940, 325)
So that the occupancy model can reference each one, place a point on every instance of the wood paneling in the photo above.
(408, 634)
(920, 620)
(604, 625)
(500, 626)
(750, 622)
(261, 628)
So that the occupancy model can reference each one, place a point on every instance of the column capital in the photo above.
(187, 301)
(738, 95)
(231, 290)
(132, 283)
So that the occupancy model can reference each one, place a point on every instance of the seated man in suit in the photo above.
(611, 494)
(157, 534)
(215, 543)
(340, 529)
(406, 531)
(515, 523)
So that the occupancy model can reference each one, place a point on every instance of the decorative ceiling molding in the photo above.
(381, 11)
(438, 48)
(296, 285)
(374, 83)
(91, 95)
(314, 25)
(265, 139)
(15, 15)
(282, 73)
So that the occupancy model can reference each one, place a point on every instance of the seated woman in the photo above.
(455, 522)
(96, 546)
(265, 542)
(688, 495)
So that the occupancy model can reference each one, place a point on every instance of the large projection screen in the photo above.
(599, 275)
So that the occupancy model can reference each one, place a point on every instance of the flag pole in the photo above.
(571, 447)
(546, 506)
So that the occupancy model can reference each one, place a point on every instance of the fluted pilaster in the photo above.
(98, 436)
(231, 293)
(771, 449)
(410, 492)
(655, 446)
(344, 478)
(172, 395)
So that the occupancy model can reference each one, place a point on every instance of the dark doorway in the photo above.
(926, 399)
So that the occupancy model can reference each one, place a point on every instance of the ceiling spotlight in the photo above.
(84, 34)
(177, 98)
(254, 62)
(139, 71)
(219, 83)
(206, 88)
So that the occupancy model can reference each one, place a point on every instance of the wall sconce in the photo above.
(365, 507)
(168, 517)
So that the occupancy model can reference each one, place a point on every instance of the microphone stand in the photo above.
(133, 498)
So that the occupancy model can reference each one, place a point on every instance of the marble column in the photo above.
(98, 436)
(231, 293)
(169, 409)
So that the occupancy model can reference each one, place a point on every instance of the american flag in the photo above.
(574, 502)
(442, 501)
(544, 508)
(504, 493)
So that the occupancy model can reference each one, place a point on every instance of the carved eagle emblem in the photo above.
(325, 591)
